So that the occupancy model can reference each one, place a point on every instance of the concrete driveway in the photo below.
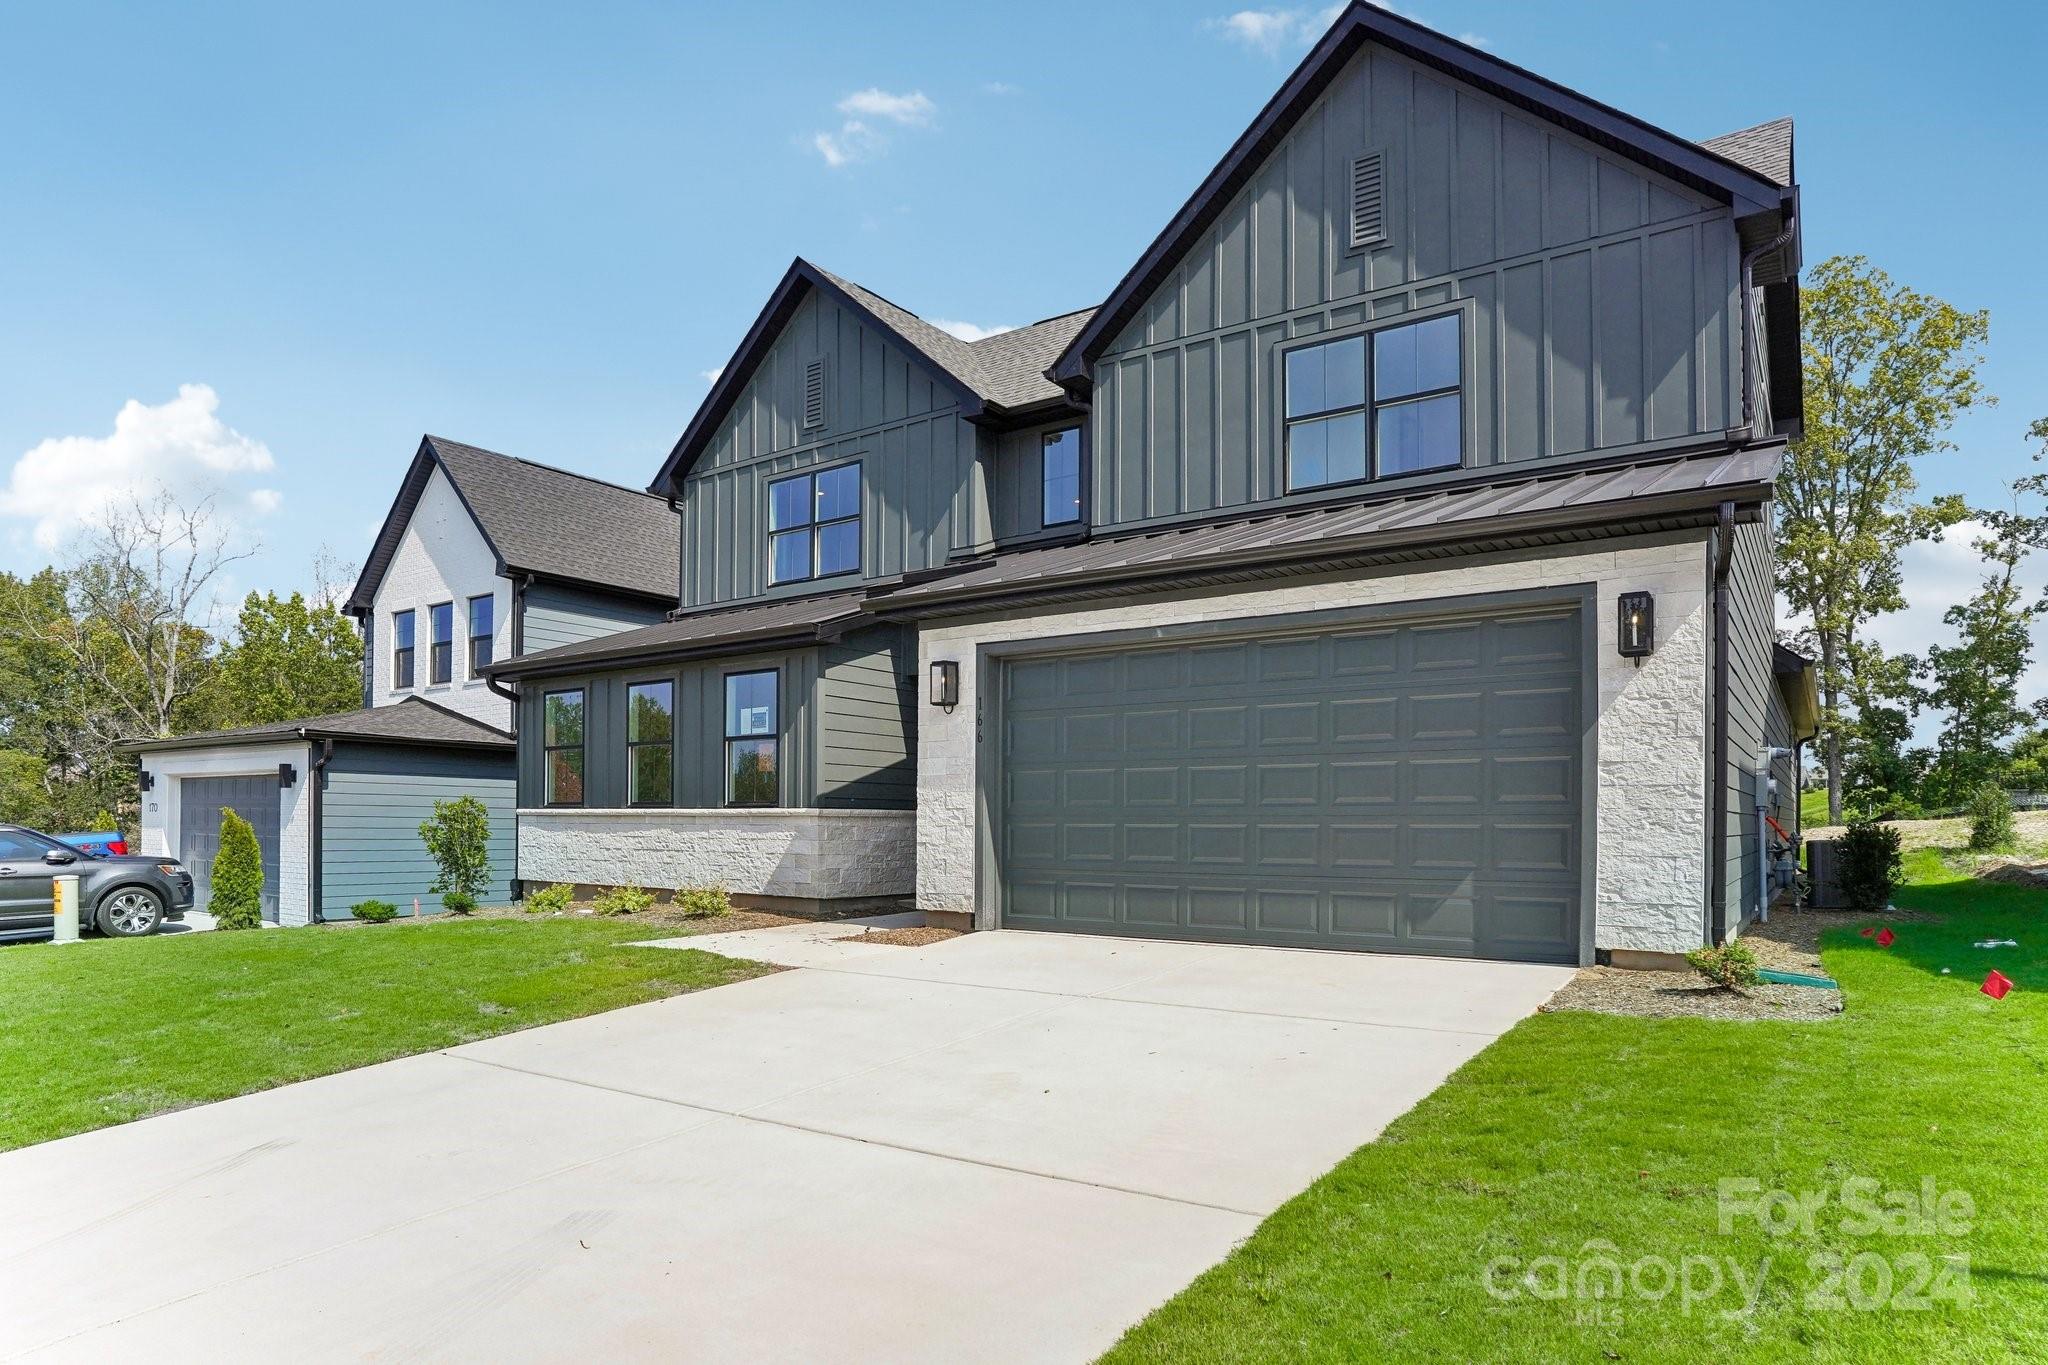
(1007, 1146)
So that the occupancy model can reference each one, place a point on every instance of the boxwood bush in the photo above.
(374, 912)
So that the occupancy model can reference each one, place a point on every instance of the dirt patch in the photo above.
(2014, 873)
(1789, 943)
(2030, 829)
(916, 936)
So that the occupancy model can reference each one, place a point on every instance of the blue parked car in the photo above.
(108, 844)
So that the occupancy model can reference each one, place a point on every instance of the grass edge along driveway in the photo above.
(1602, 1141)
(114, 1030)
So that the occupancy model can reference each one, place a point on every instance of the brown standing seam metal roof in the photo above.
(723, 630)
(412, 721)
(1618, 495)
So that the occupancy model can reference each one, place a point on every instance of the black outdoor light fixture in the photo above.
(148, 780)
(1636, 626)
(286, 775)
(946, 683)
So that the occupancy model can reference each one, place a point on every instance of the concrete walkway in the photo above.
(1007, 1146)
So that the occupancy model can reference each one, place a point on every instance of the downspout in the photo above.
(675, 505)
(1768, 755)
(1749, 346)
(315, 778)
(1717, 747)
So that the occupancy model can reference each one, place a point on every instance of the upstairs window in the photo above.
(814, 525)
(752, 739)
(401, 650)
(440, 642)
(483, 613)
(1062, 477)
(561, 739)
(1402, 413)
(650, 743)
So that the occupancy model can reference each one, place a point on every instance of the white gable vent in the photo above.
(1368, 200)
(814, 394)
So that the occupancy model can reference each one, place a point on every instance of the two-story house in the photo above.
(1385, 564)
(482, 557)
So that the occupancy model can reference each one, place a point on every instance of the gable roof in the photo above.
(540, 520)
(1765, 148)
(412, 721)
(1710, 171)
(996, 375)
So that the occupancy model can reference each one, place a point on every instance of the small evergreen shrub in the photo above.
(549, 900)
(237, 901)
(623, 900)
(1991, 824)
(458, 902)
(458, 839)
(1868, 865)
(374, 912)
(707, 901)
(1732, 966)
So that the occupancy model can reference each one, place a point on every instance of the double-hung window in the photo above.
(483, 615)
(1374, 406)
(440, 642)
(401, 650)
(1060, 471)
(752, 739)
(814, 525)
(650, 744)
(562, 748)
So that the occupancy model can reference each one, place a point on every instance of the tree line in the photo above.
(117, 641)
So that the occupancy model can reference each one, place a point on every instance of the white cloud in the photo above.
(711, 375)
(854, 141)
(999, 88)
(1274, 31)
(66, 482)
(913, 109)
(969, 331)
(1471, 39)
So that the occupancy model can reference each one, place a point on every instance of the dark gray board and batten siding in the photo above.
(1598, 298)
(845, 742)
(556, 614)
(371, 805)
(921, 496)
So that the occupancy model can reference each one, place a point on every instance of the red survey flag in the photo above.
(1996, 985)
(1886, 938)
(1868, 931)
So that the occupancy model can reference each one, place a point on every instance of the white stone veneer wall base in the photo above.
(821, 854)
(1650, 882)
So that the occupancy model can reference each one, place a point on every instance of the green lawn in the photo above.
(111, 1030)
(1813, 808)
(1577, 1129)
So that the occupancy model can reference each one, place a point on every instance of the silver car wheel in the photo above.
(130, 912)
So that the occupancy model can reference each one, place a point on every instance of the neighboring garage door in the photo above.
(1410, 786)
(200, 802)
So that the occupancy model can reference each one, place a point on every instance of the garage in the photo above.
(201, 800)
(1406, 785)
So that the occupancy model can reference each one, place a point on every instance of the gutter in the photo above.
(1717, 748)
(511, 694)
(315, 778)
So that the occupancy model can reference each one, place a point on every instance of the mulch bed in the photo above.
(1789, 943)
(916, 937)
(660, 917)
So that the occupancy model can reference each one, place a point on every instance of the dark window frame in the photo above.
(633, 746)
(581, 746)
(1373, 405)
(774, 737)
(813, 525)
(440, 653)
(476, 665)
(404, 653)
(1045, 441)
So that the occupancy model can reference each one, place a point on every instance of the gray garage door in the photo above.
(200, 802)
(1412, 787)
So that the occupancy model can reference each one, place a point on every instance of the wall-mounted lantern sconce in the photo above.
(946, 683)
(1636, 626)
(148, 780)
(287, 775)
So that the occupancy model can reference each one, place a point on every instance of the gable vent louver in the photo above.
(814, 394)
(1368, 200)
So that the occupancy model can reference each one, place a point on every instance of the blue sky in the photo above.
(535, 227)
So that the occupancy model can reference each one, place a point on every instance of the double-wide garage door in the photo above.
(1411, 786)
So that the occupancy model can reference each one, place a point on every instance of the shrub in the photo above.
(458, 902)
(1990, 819)
(1868, 866)
(708, 901)
(623, 900)
(374, 912)
(1732, 966)
(549, 900)
(458, 840)
(237, 901)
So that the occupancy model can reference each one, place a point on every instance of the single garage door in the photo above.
(1410, 786)
(200, 802)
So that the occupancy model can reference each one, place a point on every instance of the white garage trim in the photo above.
(161, 807)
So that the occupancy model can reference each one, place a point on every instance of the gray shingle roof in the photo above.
(720, 630)
(412, 721)
(1584, 499)
(568, 526)
(1765, 149)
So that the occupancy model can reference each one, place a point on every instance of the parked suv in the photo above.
(123, 895)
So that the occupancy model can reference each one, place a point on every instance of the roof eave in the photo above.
(538, 666)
